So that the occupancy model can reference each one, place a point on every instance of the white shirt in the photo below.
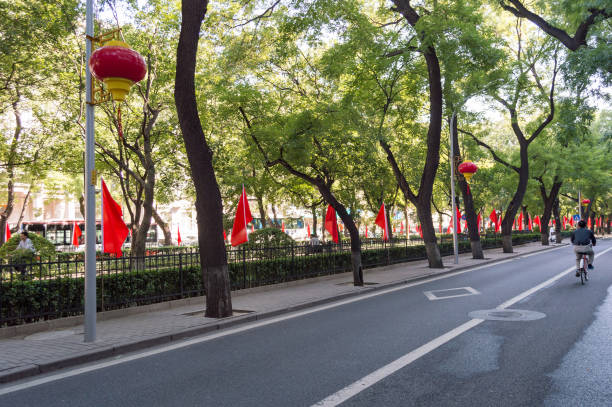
(26, 244)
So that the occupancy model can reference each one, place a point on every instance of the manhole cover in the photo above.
(506, 315)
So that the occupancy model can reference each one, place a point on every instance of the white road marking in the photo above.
(374, 377)
(433, 295)
(225, 332)
(362, 384)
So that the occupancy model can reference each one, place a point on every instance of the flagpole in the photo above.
(90, 189)
(452, 164)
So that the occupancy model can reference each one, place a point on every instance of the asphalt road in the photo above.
(415, 345)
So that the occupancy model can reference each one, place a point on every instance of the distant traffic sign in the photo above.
(576, 218)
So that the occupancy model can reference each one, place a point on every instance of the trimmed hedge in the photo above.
(28, 300)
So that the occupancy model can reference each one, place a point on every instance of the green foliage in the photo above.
(269, 237)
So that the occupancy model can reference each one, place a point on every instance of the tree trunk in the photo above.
(549, 201)
(468, 201)
(262, 210)
(10, 170)
(517, 199)
(314, 218)
(352, 229)
(422, 201)
(558, 235)
(23, 207)
(164, 227)
(213, 257)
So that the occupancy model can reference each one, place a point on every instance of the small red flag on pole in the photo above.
(76, 233)
(114, 231)
(308, 229)
(331, 224)
(178, 233)
(366, 234)
(7, 232)
(381, 220)
(243, 217)
(458, 221)
(283, 226)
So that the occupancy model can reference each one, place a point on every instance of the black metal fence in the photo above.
(52, 288)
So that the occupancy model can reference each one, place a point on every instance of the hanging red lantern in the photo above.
(586, 202)
(467, 169)
(118, 66)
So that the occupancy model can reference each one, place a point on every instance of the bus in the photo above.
(294, 226)
(59, 232)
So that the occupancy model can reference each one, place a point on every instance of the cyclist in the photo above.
(583, 240)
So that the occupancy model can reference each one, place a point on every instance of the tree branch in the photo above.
(493, 154)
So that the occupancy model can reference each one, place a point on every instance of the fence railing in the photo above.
(53, 288)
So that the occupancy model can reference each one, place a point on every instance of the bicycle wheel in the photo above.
(582, 276)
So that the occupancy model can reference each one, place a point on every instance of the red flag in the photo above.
(450, 227)
(331, 223)
(589, 223)
(421, 231)
(308, 229)
(381, 220)
(243, 217)
(76, 233)
(537, 222)
(440, 226)
(224, 235)
(114, 230)
(283, 226)
(564, 222)
(7, 232)
(393, 229)
(366, 235)
(493, 218)
(478, 223)
(252, 227)
(178, 232)
(520, 221)
(458, 221)
(402, 228)
(598, 222)
(571, 222)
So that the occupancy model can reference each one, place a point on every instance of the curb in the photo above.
(26, 371)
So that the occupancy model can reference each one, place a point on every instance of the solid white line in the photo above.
(225, 332)
(385, 371)
(367, 381)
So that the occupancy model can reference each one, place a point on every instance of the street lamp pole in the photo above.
(90, 180)
(452, 171)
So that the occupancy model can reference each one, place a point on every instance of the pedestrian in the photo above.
(26, 247)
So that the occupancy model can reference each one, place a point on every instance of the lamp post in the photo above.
(452, 164)
(90, 180)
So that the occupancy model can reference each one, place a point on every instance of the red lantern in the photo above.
(118, 66)
(467, 169)
(586, 202)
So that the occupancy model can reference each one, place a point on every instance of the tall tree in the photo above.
(213, 257)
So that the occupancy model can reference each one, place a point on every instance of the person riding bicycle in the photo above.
(583, 240)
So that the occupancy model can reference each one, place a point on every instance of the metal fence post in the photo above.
(181, 272)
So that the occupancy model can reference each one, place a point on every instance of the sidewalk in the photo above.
(24, 354)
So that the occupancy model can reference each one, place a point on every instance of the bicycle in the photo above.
(583, 269)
